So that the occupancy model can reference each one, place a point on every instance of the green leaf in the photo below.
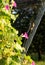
(18, 47)
(1, 32)
(0, 1)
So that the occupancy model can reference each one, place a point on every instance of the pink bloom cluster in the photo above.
(7, 7)
(14, 4)
(33, 63)
(25, 35)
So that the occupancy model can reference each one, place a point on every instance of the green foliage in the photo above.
(11, 53)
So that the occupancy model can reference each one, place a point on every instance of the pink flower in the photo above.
(14, 4)
(33, 63)
(25, 35)
(7, 7)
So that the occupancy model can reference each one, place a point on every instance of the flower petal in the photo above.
(14, 4)
(33, 63)
(25, 35)
(7, 7)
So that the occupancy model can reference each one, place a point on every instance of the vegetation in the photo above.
(40, 63)
(35, 57)
(11, 52)
(28, 17)
(20, 17)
